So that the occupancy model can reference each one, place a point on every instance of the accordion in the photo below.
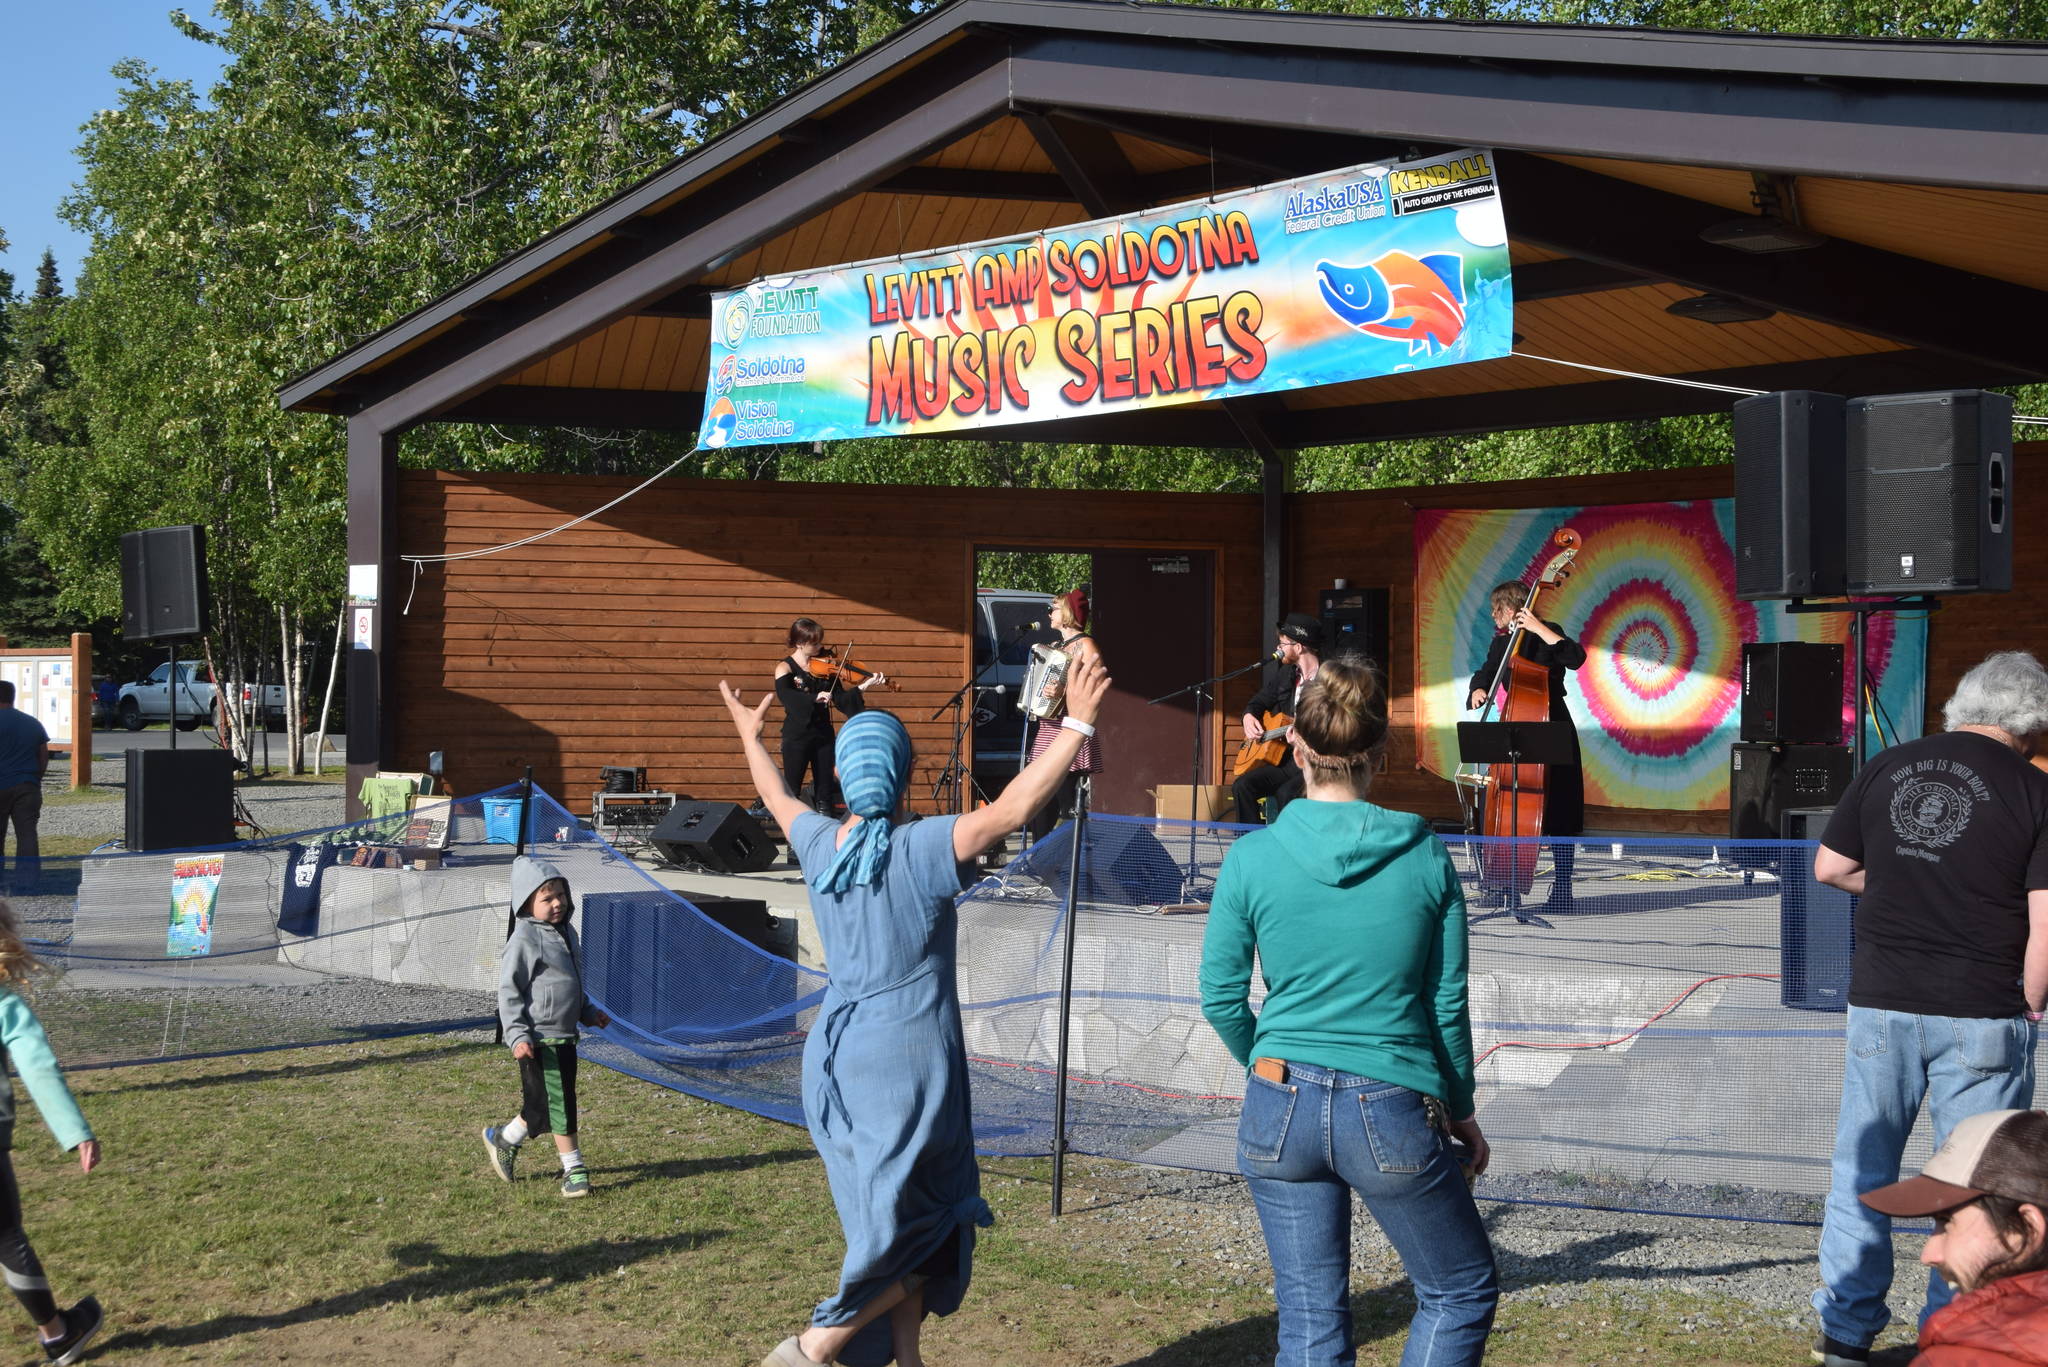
(1045, 683)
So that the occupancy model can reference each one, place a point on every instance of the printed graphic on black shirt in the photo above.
(1931, 805)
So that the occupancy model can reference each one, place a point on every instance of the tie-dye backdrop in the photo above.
(1652, 598)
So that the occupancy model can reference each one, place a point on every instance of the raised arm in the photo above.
(1087, 684)
(782, 804)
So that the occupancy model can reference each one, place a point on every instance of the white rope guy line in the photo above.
(1639, 375)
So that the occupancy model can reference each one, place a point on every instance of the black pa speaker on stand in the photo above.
(1766, 781)
(1789, 495)
(1930, 493)
(718, 835)
(163, 583)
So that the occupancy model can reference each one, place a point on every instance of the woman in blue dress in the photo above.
(885, 1065)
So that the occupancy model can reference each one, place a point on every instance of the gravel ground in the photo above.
(1754, 1276)
(278, 812)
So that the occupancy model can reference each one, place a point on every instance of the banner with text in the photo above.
(1376, 269)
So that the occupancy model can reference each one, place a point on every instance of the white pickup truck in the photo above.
(148, 699)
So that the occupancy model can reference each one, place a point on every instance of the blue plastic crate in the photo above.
(501, 821)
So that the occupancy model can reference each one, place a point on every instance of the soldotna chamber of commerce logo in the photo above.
(1930, 812)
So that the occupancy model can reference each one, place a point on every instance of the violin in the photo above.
(828, 666)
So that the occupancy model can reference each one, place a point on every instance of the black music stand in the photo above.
(1516, 743)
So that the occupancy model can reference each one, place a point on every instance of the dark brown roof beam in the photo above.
(1615, 400)
(546, 406)
(1563, 278)
(691, 301)
(1088, 160)
(1882, 294)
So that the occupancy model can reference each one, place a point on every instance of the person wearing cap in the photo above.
(1564, 785)
(1944, 840)
(1299, 649)
(1987, 1189)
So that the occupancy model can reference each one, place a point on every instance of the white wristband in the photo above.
(1076, 724)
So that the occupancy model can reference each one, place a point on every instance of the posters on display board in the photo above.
(1372, 270)
(42, 688)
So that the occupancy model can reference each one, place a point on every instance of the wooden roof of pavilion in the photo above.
(1921, 164)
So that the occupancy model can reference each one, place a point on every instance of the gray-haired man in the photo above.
(1945, 841)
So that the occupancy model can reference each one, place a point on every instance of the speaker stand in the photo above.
(1863, 611)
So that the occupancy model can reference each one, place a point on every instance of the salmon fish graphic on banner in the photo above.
(1420, 301)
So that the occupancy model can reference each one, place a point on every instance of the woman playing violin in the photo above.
(809, 690)
(1067, 614)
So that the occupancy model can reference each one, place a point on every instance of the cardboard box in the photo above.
(1180, 802)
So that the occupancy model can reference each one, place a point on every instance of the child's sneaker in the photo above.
(503, 1155)
(81, 1322)
(577, 1183)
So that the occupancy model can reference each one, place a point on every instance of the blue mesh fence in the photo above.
(1668, 1039)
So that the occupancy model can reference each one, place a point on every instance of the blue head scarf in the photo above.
(873, 757)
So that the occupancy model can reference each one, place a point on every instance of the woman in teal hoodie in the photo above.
(1361, 1058)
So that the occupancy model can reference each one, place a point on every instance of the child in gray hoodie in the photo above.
(541, 1002)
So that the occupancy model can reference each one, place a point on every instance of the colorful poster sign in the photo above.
(195, 887)
(1651, 597)
(1367, 271)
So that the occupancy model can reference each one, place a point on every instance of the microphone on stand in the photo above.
(1023, 627)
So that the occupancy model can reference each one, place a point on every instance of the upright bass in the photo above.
(1515, 792)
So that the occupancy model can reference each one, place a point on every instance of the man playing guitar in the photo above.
(1300, 644)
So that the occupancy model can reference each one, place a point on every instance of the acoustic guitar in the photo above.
(1269, 748)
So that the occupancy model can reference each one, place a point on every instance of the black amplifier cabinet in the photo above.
(1766, 781)
(1816, 925)
(1792, 691)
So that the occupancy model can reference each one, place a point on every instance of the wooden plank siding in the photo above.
(604, 644)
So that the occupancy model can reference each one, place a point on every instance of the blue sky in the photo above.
(56, 79)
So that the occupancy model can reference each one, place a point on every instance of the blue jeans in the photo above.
(1962, 1066)
(1305, 1146)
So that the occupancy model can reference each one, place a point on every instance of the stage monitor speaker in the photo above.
(1790, 495)
(746, 917)
(1766, 781)
(718, 835)
(180, 799)
(1355, 620)
(1930, 493)
(1123, 865)
(1792, 691)
(163, 583)
(1816, 924)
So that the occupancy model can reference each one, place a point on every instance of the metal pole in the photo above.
(1059, 1096)
(525, 808)
(1856, 639)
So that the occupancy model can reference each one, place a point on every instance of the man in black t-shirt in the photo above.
(1945, 842)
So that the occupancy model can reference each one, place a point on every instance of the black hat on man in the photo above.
(1303, 630)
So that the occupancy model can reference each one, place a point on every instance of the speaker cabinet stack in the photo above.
(1930, 493)
(1766, 781)
(718, 835)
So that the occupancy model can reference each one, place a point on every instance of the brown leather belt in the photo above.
(1271, 1069)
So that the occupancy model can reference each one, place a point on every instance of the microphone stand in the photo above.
(1202, 693)
(950, 778)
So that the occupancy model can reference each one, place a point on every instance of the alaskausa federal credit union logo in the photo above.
(739, 316)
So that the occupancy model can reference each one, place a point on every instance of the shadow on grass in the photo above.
(502, 1278)
(618, 1178)
(288, 1073)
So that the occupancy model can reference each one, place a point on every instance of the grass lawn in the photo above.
(334, 1205)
